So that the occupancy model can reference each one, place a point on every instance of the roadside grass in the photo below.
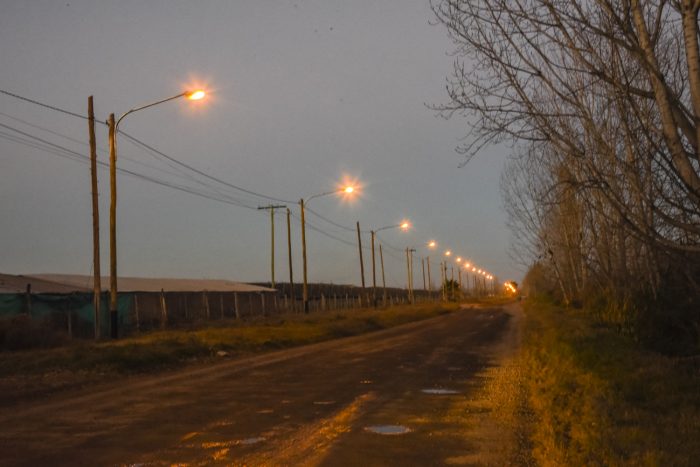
(599, 399)
(167, 349)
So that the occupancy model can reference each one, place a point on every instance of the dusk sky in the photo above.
(302, 95)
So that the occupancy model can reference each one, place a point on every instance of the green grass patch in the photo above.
(600, 399)
(166, 349)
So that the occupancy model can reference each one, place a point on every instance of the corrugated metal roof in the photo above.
(10, 283)
(66, 283)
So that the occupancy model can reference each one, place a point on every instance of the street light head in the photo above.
(432, 244)
(467, 265)
(448, 253)
(405, 225)
(195, 95)
(459, 259)
(349, 189)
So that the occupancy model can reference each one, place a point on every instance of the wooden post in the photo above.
(362, 265)
(262, 303)
(163, 310)
(69, 317)
(205, 299)
(96, 281)
(221, 304)
(136, 312)
(422, 266)
(235, 304)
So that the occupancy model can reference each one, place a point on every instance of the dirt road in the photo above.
(313, 405)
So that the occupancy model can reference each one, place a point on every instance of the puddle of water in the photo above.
(324, 402)
(439, 391)
(263, 411)
(388, 429)
(255, 440)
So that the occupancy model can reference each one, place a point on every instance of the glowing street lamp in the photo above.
(350, 190)
(113, 131)
(448, 253)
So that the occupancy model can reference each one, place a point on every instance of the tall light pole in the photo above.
(432, 244)
(272, 208)
(113, 130)
(404, 225)
(348, 190)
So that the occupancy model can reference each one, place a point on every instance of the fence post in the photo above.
(163, 310)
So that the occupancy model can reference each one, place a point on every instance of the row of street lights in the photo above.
(348, 190)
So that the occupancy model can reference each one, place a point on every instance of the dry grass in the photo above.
(599, 399)
(170, 348)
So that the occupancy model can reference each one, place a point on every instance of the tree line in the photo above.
(601, 102)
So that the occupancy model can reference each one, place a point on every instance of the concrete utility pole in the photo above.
(97, 280)
(272, 239)
(289, 251)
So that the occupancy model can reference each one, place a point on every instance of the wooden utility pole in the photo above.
(412, 296)
(443, 273)
(408, 274)
(113, 316)
(430, 283)
(272, 239)
(381, 260)
(289, 251)
(422, 266)
(374, 274)
(362, 264)
(96, 281)
(305, 290)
